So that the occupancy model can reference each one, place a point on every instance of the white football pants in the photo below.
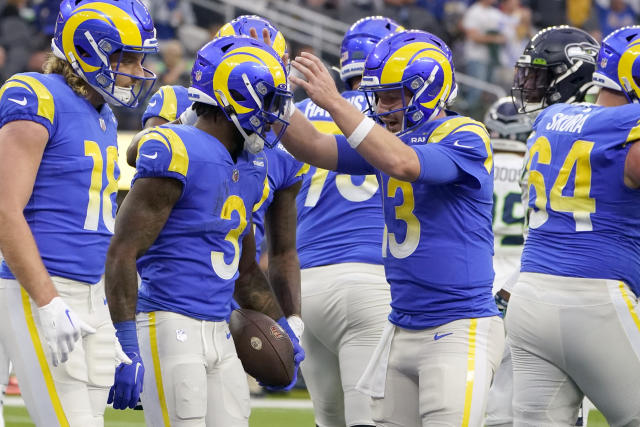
(5, 369)
(75, 392)
(572, 336)
(499, 404)
(435, 377)
(344, 309)
(193, 376)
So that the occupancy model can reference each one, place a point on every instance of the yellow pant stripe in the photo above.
(629, 303)
(42, 360)
(471, 365)
(153, 343)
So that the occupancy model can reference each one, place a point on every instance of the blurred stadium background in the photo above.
(486, 36)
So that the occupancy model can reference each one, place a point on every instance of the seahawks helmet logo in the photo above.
(581, 51)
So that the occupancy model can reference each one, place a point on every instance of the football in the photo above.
(263, 347)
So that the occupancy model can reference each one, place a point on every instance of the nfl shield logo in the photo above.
(603, 63)
(198, 75)
(277, 332)
(103, 125)
(235, 176)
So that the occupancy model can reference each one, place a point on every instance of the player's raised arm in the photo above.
(379, 147)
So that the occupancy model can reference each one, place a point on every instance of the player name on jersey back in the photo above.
(585, 222)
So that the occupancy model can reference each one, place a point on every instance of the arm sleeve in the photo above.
(350, 161)
(435, 166)
(468, 148)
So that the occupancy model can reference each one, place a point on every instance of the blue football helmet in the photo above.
(89, 32)
(618, 62)
(508, 129)
(359, 41)
(242, 24)
(416, 61)
(247, 79)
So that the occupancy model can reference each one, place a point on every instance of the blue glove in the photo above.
(298, 355)
(127, 384)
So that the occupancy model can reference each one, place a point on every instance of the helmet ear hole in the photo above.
(82, 52)
(237, 96)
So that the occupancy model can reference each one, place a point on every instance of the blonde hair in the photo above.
(55, 65)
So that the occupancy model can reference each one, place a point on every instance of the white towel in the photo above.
(373, 379)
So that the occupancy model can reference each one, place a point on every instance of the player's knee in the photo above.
(190, 391)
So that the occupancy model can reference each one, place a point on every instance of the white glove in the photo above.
(61, 328)
(121, 356)
(189, 116)
(296, 324)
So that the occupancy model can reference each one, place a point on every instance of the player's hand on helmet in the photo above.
(298, 351)
(129, 376)
(317, 81)
(61, 328)
(266, 38)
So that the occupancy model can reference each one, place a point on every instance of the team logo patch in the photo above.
(103, 125)
(235, 176)
(256, 343)
(198, 75)
(277, 332)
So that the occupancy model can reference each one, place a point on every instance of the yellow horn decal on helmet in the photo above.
(226, 30)
(279, 44)
(129, 32)
(625, 65)
(239, 56)
(404, 56)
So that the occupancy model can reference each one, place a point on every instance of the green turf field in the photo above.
(17, 416)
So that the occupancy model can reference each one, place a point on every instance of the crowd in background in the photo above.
(486, 36)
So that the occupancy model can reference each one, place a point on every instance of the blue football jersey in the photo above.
(73, 204)
(168, 102)
(282, 172)
(438, 243)
(171, 101)
(339, 215)
(584, 222)
(192, 266)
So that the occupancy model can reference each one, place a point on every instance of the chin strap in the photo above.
(628, 90)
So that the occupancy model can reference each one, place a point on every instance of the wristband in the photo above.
(126, 333)
(361, 132)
